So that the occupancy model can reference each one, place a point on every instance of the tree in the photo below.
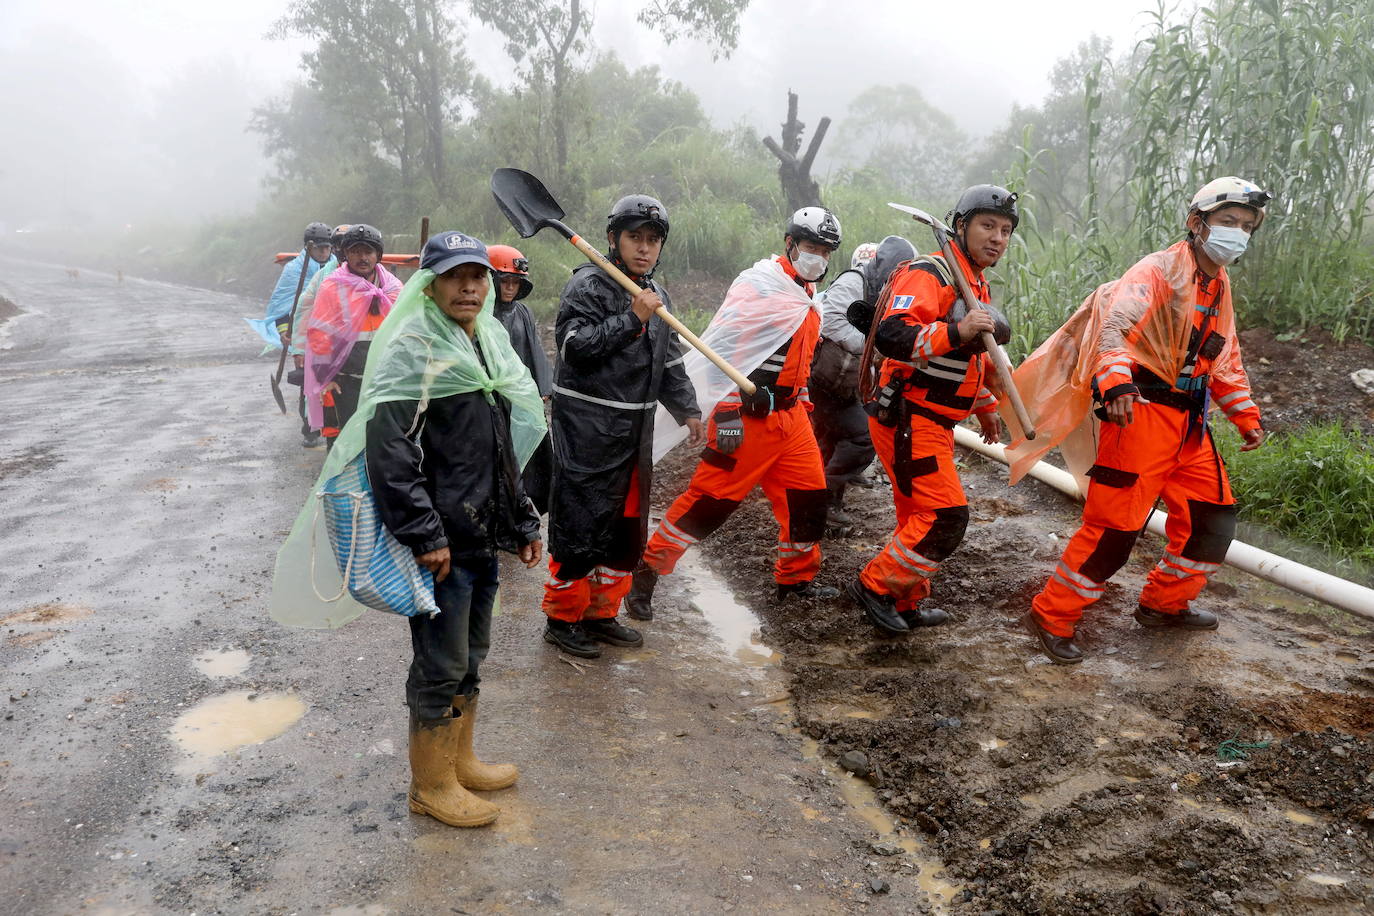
(913, 145)
(393, 70)
(798, 187)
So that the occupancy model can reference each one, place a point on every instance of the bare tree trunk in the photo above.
(431, 103)
(798, 188)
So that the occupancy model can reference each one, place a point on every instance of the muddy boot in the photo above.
(613, 633)
(1186, 619)
(639, 603)
(806, 590)
(837, 521)
(434, 788)
(924, 617)
(471, 772)
(569, 638)
(1060, 649)
(879, 609)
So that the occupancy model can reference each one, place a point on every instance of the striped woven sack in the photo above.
(377, 570)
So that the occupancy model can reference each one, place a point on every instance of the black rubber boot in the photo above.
(835, 516)
(639, 603)
(879, 609)
(314, 440)
(924, 617)
(806, 590)
(613, 633)
(1187, 619)
(1060, 649)
(569, 638)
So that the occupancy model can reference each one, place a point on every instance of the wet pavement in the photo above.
(166, 747)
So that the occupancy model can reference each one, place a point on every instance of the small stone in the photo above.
(927, 823)
(885, 848)
(1339, 751)
(878, 886)
(1110, 650)
(1155, 666)
(949, 722)
(855, 762)
(1220, 898)
(355, 807)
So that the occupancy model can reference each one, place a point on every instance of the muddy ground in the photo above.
(1306, 378)
(166, 748)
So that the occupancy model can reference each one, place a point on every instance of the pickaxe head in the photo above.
(922, 216)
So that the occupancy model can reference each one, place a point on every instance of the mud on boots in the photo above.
(1154, 387)
(840, 421)
(924, 342)
(770, 323)
(618, 361)
(465, 456)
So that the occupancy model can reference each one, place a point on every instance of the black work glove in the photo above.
(860, 314)
(729, 434)
(757, 405)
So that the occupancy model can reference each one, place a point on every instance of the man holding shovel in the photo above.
(1155, 350)
(932, 377)
(617, 361)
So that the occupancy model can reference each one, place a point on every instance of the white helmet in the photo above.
(1223, 192)
(815, 224)
(863, 254)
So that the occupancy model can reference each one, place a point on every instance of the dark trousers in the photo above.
(449, 647)
(842, 433)
(344, 406)
(538, 476)
(307, 431)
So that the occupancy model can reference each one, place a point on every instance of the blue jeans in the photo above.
(450, 647)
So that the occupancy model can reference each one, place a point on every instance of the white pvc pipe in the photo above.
(1337, 592)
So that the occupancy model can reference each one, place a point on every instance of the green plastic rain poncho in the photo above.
(418, 354)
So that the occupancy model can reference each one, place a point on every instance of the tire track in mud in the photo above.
(1097, 788)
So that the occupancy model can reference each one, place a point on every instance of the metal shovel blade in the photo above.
(276, 392)
(526, 202)
(921, 216)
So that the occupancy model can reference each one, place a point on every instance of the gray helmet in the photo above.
(637, 210)
(892, 251)
(316, 234)
(985, 198)
(362, 233)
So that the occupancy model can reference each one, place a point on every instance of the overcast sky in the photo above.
(96, 88)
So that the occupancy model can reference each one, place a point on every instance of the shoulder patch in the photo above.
(901, 303)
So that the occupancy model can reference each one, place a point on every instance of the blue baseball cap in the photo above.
(447, 250)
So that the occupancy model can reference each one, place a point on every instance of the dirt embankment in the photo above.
(1306, 379)
(1219, 773)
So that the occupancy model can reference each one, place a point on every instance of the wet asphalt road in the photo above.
(146, 480)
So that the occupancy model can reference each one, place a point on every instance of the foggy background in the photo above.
(122, 113)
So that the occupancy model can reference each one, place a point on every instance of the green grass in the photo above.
(1315, 485)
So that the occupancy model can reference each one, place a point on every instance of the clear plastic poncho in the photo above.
(419, 354)
(763, 308)
(1146, 315)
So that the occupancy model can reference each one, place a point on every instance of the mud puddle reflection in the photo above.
(222, 663)
(864, 802)
(734, 626)
(229, 721)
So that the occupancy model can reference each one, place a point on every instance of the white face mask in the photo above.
(1225, 244)
(810, 267)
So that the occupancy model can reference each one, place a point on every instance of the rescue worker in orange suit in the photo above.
(767, 328)
(932, 377)
(617, 361)
(512, 272)
(1159, 349)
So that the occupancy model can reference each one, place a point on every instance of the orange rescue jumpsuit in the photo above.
(778, 451)
(913, 419)
(1167, 451)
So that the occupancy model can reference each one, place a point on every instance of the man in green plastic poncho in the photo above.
(449, 414)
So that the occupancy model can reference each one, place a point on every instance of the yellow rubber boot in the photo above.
(471, 772)
(434, 789)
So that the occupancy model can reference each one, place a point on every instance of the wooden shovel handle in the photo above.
(634, 288)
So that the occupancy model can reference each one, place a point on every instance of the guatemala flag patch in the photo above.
(901, 303)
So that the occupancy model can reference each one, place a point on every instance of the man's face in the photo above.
(508, 287)
(639, 248)
(319, 251)
(1234, 216)
(986, 236)
(460, 291)
(362, 259)
(806, 246)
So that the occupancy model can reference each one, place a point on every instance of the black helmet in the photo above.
(985, 198)
(638, 210)
(815, 224)
(336, 237)
(361, 233)
(316, 234)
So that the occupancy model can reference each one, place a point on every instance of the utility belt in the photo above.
(1157, 391)
(892, 407)
(780, 397)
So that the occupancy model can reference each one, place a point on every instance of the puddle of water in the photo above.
(1328, 880)
(992, 744)
(223, 663)
(229, 721)
(734, 625)
(1298, 817)
(864, 802)
(1347, 658)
